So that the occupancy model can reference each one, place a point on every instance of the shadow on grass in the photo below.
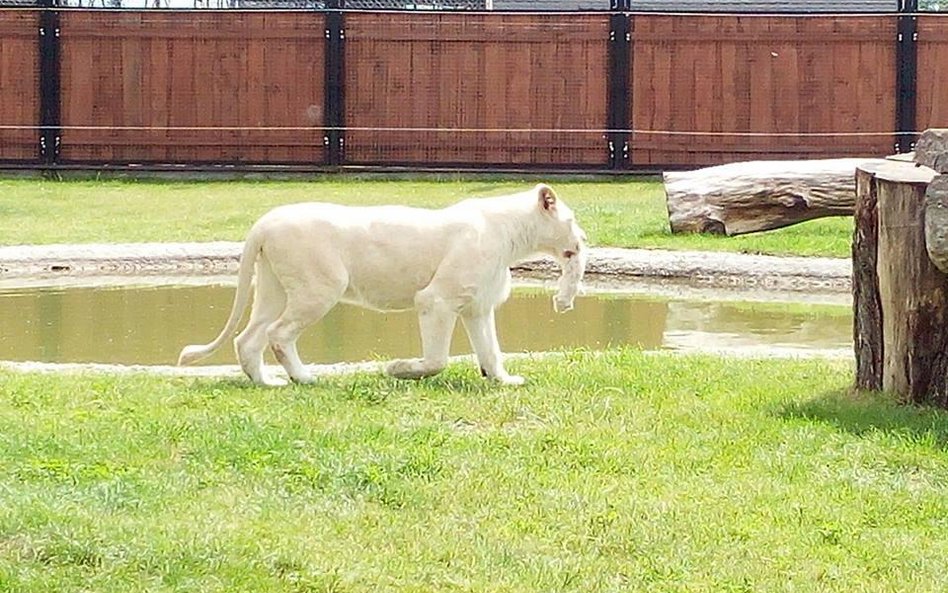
(364, 388)
(865, 413)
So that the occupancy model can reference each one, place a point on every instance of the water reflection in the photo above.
(150, 325)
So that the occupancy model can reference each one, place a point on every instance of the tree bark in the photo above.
(936, 222)
(747, 197)
(867, 310)
(931, 149)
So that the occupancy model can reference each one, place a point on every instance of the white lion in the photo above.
(444, 263)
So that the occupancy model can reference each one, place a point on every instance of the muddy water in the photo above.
(149, 325)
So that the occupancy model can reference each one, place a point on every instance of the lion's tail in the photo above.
(195, 352)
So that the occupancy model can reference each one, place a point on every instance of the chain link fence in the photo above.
(389, 4)
(262, 4)
(755, 6)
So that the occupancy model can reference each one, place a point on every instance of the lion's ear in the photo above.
(546, 197)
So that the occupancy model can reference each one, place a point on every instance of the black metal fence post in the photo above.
(620, 56)
(906, 82)
(335, 82)
(49, 88)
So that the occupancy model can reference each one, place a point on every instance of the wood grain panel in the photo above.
(932, 79)
(192, 87)
(721, 88)
(435, 89)
(19, 85)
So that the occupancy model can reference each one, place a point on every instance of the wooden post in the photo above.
(900, 296)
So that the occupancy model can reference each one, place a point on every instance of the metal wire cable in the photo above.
(457, 130)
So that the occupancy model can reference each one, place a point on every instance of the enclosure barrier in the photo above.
(603, 91)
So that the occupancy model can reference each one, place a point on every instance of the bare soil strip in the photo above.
(30, 263)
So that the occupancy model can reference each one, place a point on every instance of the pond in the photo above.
(150, 325)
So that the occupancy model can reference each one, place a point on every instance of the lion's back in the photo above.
(363, 229)
(389, 253)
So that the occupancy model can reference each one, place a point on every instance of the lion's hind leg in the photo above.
(268, 302)
(305, 305)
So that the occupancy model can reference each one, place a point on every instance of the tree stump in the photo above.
(900, 297)
(747, 197)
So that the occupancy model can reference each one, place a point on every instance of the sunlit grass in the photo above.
(624, 212)
(614, 471)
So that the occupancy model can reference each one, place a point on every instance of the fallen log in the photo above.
(752, 196)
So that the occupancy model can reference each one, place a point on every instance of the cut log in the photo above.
(900, 297)
(753, 196)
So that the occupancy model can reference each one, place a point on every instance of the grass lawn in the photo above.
(610, 471)
(624, 213)
(614, 471)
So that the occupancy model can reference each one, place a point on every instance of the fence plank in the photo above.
(19, 86)
(932, 106)
(479, 89)
(785, 76)
(183, 87)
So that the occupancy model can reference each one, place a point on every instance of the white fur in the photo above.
(445, 264)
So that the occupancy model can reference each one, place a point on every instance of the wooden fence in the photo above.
(473, 90)
(19, 85)
(476, 88)
(214, 87)
(762, 88)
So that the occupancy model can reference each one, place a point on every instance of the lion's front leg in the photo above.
(436, 319)
(482, 332)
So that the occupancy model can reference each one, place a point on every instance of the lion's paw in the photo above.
(272, 382)
(413, 369)
(400, 369)
(511, 380)
(306, 378)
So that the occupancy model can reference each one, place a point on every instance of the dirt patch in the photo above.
(804, 275)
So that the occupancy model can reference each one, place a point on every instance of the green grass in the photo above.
(614, 471)
(624, 213)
